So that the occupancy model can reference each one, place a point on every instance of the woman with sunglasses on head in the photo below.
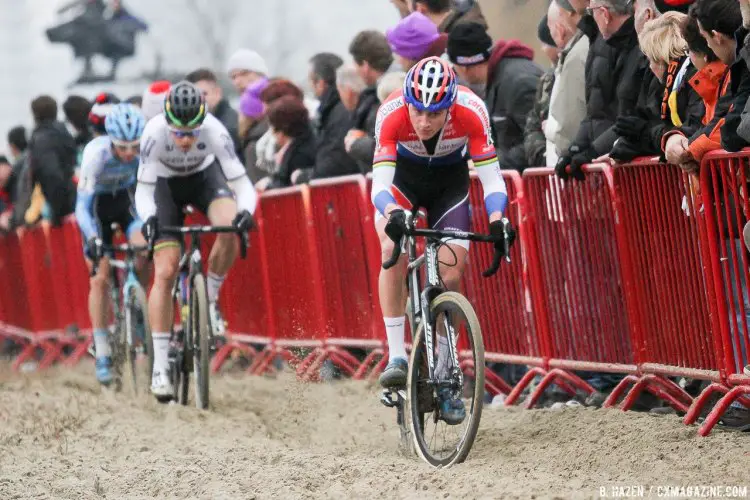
(105, 196)
(188, 158)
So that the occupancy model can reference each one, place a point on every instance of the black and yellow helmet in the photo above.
(185, 105)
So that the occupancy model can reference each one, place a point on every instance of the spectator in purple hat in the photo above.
(251, 127)
(414, 38)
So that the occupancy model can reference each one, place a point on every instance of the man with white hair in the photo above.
(246, 67)
(567, 107)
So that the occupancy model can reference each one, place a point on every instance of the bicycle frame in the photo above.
(421, 298)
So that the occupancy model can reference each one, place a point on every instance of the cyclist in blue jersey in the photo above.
(105, 196)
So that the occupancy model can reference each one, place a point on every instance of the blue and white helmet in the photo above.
(125, 123)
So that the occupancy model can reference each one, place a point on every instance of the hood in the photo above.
(507, 48)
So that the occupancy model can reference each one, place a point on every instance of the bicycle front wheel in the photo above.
(200, 339)
(440, 444)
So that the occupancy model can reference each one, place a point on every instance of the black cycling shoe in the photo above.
(394, 374)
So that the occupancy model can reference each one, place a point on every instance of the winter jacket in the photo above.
(567, 107)
(363, 118)
(333, 123)
(534, 142)
(511, 87)
(228, 117)
(300, 155)
(248, 145)
(711, 84)
(735, 133)
(672, 105)
(615, 70)
(52, 157)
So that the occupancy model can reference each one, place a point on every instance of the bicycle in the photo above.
(130, 310)
(195, 339)
(419, 399)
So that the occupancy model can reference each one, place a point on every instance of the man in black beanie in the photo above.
(505, 76)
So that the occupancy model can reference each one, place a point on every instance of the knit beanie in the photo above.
(247, 60)
(153, 98)
(469, 44)
(412, 36)
(544, 34)
(250, 103)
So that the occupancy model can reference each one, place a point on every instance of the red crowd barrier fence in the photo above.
(640, 270)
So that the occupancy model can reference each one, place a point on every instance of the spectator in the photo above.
(414, 38)
(331, 159)
(350, 85)
(206, 80)
(266, 147)
(52, 156)
(717, 20)
(445, 17)
(390, 83)
(735, 133)
(7, 189)
(372, 57)
(567, 107)
(102, 104)
(153, 99)
(679, 106)
(22, 187)
(506, 77)
(534, 142)
(76, 110)
(290, 125)
(251, 127)
(615, 68)
(246, 67)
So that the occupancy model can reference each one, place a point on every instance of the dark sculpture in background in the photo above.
(98, 27)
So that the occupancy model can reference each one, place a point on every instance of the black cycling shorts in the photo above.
(443, 191)
(115, 208)
(199, 190)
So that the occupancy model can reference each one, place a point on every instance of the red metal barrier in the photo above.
(342, 217)
(299, 314)
(724, 188)
(503, 303)
(573, 232)
(664, 234)
(40, 296)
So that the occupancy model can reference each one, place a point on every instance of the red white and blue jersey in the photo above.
(467, 129)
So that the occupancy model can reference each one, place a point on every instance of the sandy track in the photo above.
(61, 437)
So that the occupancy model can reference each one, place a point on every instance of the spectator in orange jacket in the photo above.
(717, 22)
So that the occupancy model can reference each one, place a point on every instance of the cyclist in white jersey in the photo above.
(188, 158)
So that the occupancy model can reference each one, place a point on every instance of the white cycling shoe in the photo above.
(217, 320)
(161, 386)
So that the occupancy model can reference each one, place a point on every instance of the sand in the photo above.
(61, 436)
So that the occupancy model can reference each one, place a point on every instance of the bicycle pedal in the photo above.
(387, 399)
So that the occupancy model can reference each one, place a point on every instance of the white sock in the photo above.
(101, 343)
(214, 285)
(443, 357)
(394, 329)
(161, 352)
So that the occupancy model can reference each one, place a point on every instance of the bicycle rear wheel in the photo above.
(200, 340)
(436, 442)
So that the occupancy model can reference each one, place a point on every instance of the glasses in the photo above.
(124, 147)
(179, 133)
(590, 10)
